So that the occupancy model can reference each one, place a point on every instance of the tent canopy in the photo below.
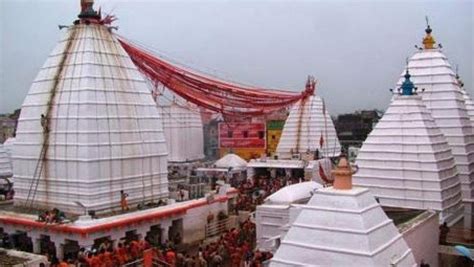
(231, 161)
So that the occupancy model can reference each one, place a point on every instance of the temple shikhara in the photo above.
(89, 127)
(309, 128)
(120, 157)
(430, 70)
(406, 160)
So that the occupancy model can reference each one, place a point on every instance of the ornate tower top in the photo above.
(408, 88)
(310, 85)
(87, 11)
(428, 40)
(343, 175)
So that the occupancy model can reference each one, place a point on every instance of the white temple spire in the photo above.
(100, 133)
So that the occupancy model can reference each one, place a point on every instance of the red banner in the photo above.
(241, 135)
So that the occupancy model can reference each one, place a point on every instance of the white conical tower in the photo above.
(5, 163)
(343, 226)
(432, 72)
(183, 132)
(308, 128)
(89, 127)
(406, 161)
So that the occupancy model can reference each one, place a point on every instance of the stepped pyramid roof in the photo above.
(406, 160)
(431, 71)
(343, 226)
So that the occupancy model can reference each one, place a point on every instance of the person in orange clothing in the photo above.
(235, 258)
(134, 249)
(95, 261)
(159, 254)
(63, 263)
(123, 201)
(122, 254)
(148, 258)
(170, 257)
(102, 255)
(108, 258)
(144, 244)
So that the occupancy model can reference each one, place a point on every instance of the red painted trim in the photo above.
(67, 228)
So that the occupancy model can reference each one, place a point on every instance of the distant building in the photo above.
(274, 130)
(246, 139)
(275, 123)
(249, 139)
(353, 128)
(8, 124)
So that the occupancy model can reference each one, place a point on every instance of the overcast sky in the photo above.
(356, 49)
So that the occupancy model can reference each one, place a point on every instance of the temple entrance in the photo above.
(297, 174)
(130, 236)
(22, 242)
(70, 249)
(47, 246)
(176, 231)
(262, 172)
(154, 235)
(103, 243)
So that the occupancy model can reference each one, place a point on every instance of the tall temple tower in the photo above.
(309, 127)
(431, 71)
(89, 127)
(406, 161)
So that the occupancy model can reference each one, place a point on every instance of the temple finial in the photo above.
(87, 11)
(343, 174)
(407, 88)
(428, 40)
(310, 85)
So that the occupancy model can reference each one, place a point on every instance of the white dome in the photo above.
(406, 161)
(105, 133)
(305, 126)
(231, 161)
(5, 163)
(293, 193)
(183, 133)
(430, 70)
